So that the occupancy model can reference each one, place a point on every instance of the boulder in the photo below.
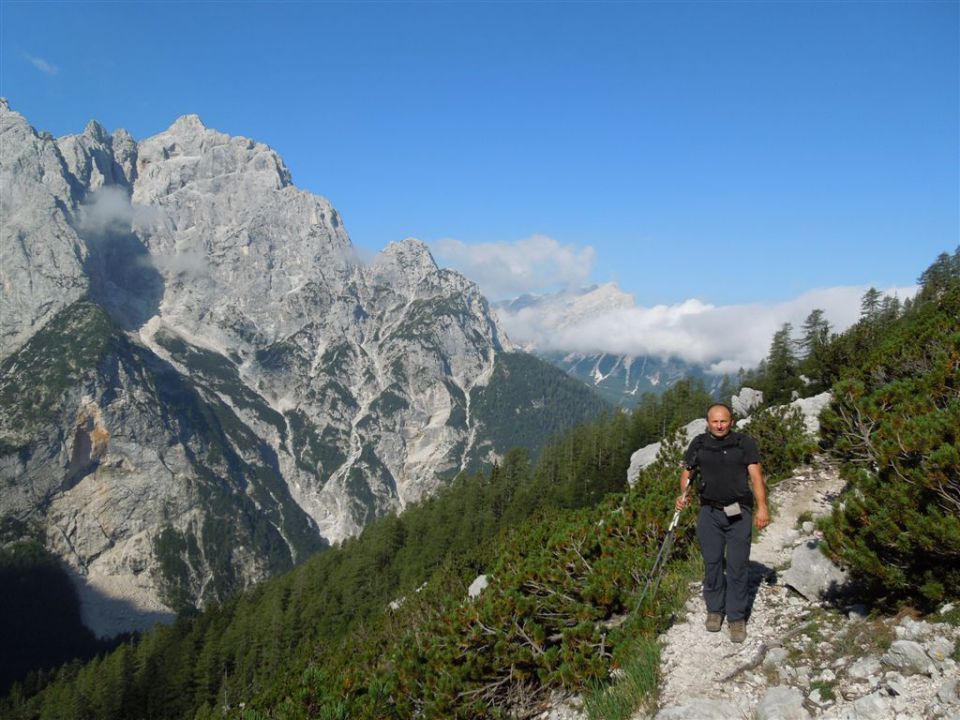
(949, 692)
(910, 629)
(648, 453)
(812, 574)
(781, 703)
(811, 408)
(745, 401)
(775, 658)
(477, 586)
(940, 649)
(875, 706)
(864, 668)
(908, 657)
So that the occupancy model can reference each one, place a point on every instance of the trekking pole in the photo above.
(656, 572)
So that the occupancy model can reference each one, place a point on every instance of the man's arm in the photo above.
(761, 518)
(682, 499)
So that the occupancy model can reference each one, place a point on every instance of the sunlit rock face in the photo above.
(200, 382)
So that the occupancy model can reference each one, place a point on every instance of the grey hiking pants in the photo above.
(725, 588)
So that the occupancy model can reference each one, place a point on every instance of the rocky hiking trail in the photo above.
(806, 657)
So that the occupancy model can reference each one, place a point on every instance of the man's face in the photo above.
(719, 422)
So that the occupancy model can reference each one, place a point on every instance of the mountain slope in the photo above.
(203, 384)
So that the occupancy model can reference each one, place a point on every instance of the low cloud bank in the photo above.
(507, 269)
(725, 338)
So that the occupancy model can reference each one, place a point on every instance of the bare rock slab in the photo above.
(700, 709)
(781, 703)
(908, 657)
(812, 574)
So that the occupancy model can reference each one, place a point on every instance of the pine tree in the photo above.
(942, 275)
(782, 369)
(870, 304)
(813, 344)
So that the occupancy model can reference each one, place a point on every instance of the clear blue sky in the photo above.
(735, 152)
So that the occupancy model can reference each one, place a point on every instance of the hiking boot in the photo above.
(738, 630)
(714, 621)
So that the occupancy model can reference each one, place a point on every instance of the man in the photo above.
(730, 480)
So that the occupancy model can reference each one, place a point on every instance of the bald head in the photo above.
(719, 420)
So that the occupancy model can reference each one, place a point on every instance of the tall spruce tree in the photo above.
(870, 305)
(813, 345)
(782, 375)
(943, 274)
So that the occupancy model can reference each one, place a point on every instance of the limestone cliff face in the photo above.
(200, 382)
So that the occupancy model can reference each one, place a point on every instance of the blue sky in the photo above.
(737, 153)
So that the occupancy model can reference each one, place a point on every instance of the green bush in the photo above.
(894, 422)
(783, 440)
(543, 623)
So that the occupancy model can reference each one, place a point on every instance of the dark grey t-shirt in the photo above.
(723, 466)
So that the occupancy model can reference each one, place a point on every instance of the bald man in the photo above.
(731, 479)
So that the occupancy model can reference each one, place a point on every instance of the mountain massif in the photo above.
(201, 383)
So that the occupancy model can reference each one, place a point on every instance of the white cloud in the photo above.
(507, 269)
(725, 338)
(191, 263)
(109, 209)
(42, 65)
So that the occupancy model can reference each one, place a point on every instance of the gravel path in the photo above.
(697, 665)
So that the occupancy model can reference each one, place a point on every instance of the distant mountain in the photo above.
(620, 379)
(200, 382)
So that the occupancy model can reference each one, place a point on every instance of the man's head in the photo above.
(719, 420)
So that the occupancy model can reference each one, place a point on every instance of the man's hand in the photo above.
(682, 502)
(761, 518)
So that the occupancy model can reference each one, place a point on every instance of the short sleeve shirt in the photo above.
(723, 466)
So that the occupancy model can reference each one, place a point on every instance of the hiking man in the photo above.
(730, 480)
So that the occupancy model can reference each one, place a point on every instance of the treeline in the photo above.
(236, 650)
(811, 361)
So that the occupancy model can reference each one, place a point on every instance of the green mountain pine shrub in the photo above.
(783, 440)
(895, 422)
(552, 617)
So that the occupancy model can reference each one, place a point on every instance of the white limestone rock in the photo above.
(647, 455)
(940, 648)
(699, 709)
(41, 256)
(745, 401)
(908, 657)
(812, 574)
(781, 703)
(865, 668)
(811, 408)
(479, 584)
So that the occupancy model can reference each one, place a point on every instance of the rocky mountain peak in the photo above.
(96, 132)
(406, 262)
(10, 118)
(219, 370)
(188, 123)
